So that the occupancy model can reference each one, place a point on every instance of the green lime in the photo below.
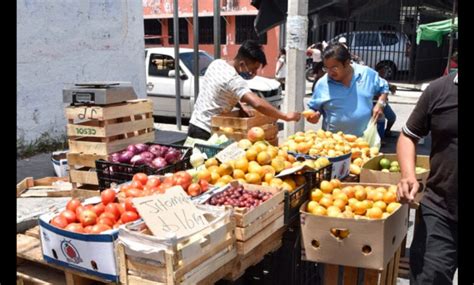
(394, 169)
(394, 163)
(385, 163)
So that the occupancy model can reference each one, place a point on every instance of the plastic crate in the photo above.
(118, 173)
(212, 150)
(296, 198)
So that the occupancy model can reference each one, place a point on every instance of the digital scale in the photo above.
(99, 93)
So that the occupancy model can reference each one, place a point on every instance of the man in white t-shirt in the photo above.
(224, 86)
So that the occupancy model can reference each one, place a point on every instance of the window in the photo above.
(152, 28)
(389, 39)
(245, 30)
(183, 31)
(206, 30)
(204, 61)
(367, 39)
(160, 65)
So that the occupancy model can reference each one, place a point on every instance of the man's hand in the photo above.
(376, 111)
(407, 189)
(244, 110)
(292, 116)
(314, 117)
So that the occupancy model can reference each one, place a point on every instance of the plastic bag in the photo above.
(371, 135)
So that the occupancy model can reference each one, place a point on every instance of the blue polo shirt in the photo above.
(348, 109)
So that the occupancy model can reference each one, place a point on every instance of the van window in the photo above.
(160, 65)
(204, 61)
(389, 39)
(367, 40)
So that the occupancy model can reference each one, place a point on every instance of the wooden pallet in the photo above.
(102, 130)
(335, 274)
(179, 265)
(41, 187)
(32, 269)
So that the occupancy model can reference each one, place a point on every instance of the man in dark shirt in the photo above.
(433, 253)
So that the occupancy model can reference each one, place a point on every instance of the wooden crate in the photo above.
(41, 187)
(82, 168)
(103, 130)
(271, 132)
(194, 260)
(233, 120)
(32, 269)
(335, 274)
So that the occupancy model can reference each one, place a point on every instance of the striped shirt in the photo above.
(221, 89)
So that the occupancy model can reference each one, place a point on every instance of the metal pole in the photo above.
(176, 63)
(217, 29)
(296, 39)
(451, 35)
(196, 48)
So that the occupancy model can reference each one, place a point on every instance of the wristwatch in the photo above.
(382, 103)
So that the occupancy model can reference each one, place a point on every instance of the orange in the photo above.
(316, 195)
(214, 177)
(326, 186)
(252, 178)
(242, 164)
(374, 213)
(238, 174)
(326, 202)
(341, 196)
(333, 211)
(264, 158)
(389, 197)
(381, 205)
(359, 208)
(392, 207)
(268, 177)
(225, 169)
(360, 194)
(349, 191)
(319, 210)
(378, 196)
(251, 154)
(210, 162)
(204, 175)
(312, 205)
(336, 183)
(340, 204)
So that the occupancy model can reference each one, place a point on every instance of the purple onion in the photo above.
(133, 149)
(172, 156)
(137, 160)
(141, 147)
(156, 150)
(114, 157)
(125, 156)
(147, 156)
(159, 162)
(164, 150)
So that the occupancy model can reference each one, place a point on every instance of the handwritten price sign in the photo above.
(171, 212)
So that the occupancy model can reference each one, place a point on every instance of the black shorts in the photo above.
(197, 132)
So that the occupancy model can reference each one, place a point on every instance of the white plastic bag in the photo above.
(371, 135)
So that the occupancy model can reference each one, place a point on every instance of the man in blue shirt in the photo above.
(344, 94)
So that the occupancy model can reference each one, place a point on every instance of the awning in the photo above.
(436, 30)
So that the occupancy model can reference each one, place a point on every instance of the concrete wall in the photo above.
(60, 43)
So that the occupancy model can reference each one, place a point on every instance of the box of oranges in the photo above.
(352, 224)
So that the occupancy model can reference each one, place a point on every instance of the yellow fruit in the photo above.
(238, 173)
(385, 215)
(214, 177)
(268, 177)
(352, 201)
(349, 191)
(360, 194)
(326, 186)
(278, 164)
(287, 164)
(245, 143)
(252, 178)
(341, 196)
(260, 146)
(226, 179)
(264, 158)
(333, 211)
(319, 210)
(378, 196)
(225, 169)
(213, 168)
(336, 191)
(326, 202)
(359, 208)
(354, 169)
(381, 205)
(210, 162)
(336, 183)
(273, 151)
(389, 197)
(256, 134)
(308, 113)
(392, 207)
(340, 204)
(205, 174)
(374, 213)
(251, 154)
(316, 195)
(291, 182)
(255, 168)
(242, 164)
(312, 205)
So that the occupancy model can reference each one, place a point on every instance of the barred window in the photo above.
(152, 28)
(206, 30)
(183, 31)
(244, 30)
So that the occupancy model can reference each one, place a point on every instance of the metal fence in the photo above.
(385, 38)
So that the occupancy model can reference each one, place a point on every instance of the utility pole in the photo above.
(217, 29)
(296, 38)
(196, 48)
(176, 64)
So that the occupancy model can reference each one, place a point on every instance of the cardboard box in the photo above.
(370, 172)
(340, 165)
(59, 160)
(370, 243)
(91, 253)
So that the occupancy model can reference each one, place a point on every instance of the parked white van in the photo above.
(160, 72)
(388, 49)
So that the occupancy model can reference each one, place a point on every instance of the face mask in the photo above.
(245, 74)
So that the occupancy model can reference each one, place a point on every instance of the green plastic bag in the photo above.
(371, 135)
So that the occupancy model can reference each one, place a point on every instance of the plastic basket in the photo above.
(212, 150)
(118, 173)
(294, 199)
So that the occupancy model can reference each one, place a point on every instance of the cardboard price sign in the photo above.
(232, 152)
(293, 170)
(170, 212)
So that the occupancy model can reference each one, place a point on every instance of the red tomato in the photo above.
(69, 215)
(133, 192)
(107, 196)
(88, 217)
(170, 180)
(129, 205)
(140, 177)
(108, 215)
(153, 182)
(183, 179)
(204, 185)
(59, 222)
(97, 229)
(88, 207)
(75, 227)
(106, 220)
(162, 188)
(73, 204)
(125, 187)
(129, 216)
(121, 207)
(79, 210)
(136, 184)
(113, 209)
(194, 189)
(154, 189)
(87, 229)
(99, 209)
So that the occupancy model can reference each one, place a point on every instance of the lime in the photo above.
(394, 169)
(394, 163)
(385, 163)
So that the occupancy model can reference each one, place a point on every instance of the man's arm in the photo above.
(266, 108)
(406, 155)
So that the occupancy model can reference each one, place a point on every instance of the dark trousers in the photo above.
(197, 132)
(433, 253)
